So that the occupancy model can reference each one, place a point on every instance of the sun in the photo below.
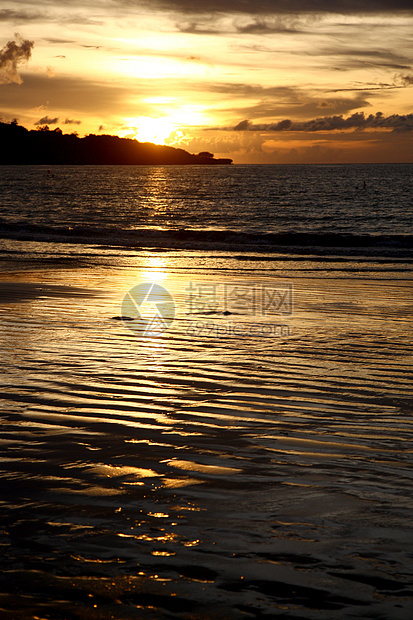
(147, 129)
(164, 130)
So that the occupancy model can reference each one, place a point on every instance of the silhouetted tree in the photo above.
(45, 146)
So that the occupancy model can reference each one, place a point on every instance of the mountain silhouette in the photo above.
(50, 147)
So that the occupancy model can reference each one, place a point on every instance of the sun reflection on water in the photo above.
(155, 269)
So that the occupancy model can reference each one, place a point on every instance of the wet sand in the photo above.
(213, 470)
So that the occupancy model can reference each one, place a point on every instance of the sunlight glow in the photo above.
(156, 270)
(158, 68)
(165, 129)
(147, 129)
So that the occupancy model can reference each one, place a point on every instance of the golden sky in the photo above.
(274, 81)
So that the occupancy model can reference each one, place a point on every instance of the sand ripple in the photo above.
(208, 478)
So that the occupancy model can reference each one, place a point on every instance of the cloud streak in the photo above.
(11, 15)
(11, 56)
(277, 7)
(357, 121)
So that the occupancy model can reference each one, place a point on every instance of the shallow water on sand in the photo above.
(224, 468)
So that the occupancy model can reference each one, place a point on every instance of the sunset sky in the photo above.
(274, 81)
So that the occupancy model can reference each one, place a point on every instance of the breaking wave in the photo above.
(285, 242)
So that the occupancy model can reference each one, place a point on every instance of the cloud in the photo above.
(247, 7)
(11, 55)
(243, 126)
(304, 105)
(286, 24)
(11, 15)
(80, 20)
(59, 41)
(406, 80)
(46, 120)
(346, 58)
(256, 101)
(71, 121)
(357, 121)
(399, 81)
(100, 98)
(255, 90)
(277, 7)
(33, 15)
(240, 24)
(196, 27)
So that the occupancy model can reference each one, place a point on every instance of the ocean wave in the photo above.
(215, 239)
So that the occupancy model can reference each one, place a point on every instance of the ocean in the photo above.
(212, 207)
(206, 391)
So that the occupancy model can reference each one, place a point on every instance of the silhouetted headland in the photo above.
(49, 147)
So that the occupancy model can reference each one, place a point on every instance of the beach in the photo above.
(250, 459)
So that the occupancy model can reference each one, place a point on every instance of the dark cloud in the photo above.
(247, 7)
(304, 105)
(11, 15)
(357, 121)
(283, 100)
(277, 7)
(279, 101)
(263, 28)
(12, 55)
(243, 126)
(194, 27)
(354, 58)
(58, 41)
(71, 121)
(28, 15)
(406, 80)
(211, 25)
(286, 24)
(46, 120)
(255, 90)
(399, 81)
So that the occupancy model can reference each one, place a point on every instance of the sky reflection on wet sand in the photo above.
(194, 476)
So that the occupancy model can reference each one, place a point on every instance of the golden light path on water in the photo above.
(217, 468)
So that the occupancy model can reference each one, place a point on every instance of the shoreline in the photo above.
(372, 250)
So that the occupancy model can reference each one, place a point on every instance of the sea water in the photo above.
(260, 206)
